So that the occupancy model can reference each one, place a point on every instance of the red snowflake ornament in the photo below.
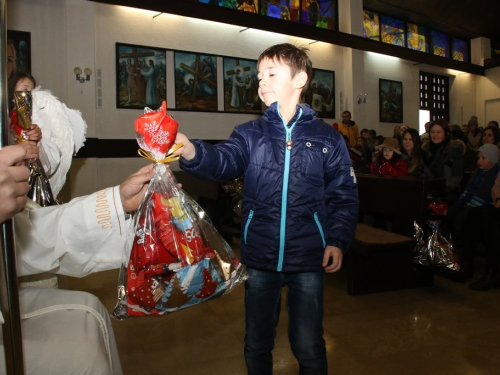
(156, 131)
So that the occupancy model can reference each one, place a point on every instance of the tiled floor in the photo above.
(445, 329)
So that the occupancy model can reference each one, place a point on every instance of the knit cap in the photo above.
(491, 152)
(473, 121)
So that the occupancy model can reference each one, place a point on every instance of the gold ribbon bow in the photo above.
(168, 158)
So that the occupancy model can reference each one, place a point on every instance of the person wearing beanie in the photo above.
(463, 219)
(474, 135)
(389, 162)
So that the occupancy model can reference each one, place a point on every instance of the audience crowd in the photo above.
(467, 157)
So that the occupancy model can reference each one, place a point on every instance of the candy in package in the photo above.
(177, 258)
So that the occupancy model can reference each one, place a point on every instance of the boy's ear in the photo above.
(300, 80)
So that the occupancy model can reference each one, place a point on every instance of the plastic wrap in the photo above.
(437, 250)
(177, 258)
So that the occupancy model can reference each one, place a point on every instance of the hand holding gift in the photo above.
(177, 259)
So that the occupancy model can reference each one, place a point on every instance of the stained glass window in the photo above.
(459, 50)
(392, 31)
(320, 13)
(371, 25)
(440, 44)
(283, 9)
(416, 38)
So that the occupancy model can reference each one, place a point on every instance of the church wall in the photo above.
(69, 33)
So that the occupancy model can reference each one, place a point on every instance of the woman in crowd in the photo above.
(491, 135)
(389, 162)
(443, 158)
(411, 151)
(474, 135)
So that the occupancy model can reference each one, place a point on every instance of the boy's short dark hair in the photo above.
(295, 57)
(372, 132)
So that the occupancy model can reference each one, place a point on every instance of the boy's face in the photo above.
(483, 162)
(276, 83)
(364, 134)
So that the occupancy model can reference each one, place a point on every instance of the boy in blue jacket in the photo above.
(299, 212)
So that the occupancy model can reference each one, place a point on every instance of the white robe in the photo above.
(68, 331)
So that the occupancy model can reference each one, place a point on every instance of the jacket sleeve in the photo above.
(342, 202)
(88, 234)
(399, 169)
(221, 162)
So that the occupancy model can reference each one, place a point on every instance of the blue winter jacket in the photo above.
(295, 201)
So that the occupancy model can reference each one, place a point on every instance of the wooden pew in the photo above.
(380, 260)
(405, 198)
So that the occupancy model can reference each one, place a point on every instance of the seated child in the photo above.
(389, 162)
(463, 218)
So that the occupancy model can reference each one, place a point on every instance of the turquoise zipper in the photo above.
(286, 176)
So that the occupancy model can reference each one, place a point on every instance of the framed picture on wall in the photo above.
(195, 81)
(391, 101)
(20, 42)
(241, 86)
(140, 76)
(321, 93)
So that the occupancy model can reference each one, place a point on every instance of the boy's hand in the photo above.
(335, 255)
(132, 190)
(187, 151)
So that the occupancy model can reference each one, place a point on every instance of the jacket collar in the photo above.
(271, 114)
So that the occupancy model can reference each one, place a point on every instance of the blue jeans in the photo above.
(305, 310)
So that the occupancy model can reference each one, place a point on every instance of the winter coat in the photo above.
(399, 168)
(447, 163)
(485, 182)
(351, 131)
(295, 201)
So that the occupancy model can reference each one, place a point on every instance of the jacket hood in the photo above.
(448, 147)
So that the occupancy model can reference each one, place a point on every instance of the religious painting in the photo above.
(141, 76)
(320, 94)
(391, 101)
(320, 13)
(195, 81)
(19, 44)
(241, 86)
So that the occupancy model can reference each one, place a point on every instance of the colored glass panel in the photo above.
(371, 25)
(284, 9)
(320, 13)
(440, 44)
(416, 38)
(459, 50)
(392, 31)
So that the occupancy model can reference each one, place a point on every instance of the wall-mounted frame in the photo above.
(141, 79)
(391, 101)
(195, 81)
(241, 86)
(21, 41)
(321, 93)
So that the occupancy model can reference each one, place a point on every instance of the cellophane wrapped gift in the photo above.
(440, 249)
(177, 258)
